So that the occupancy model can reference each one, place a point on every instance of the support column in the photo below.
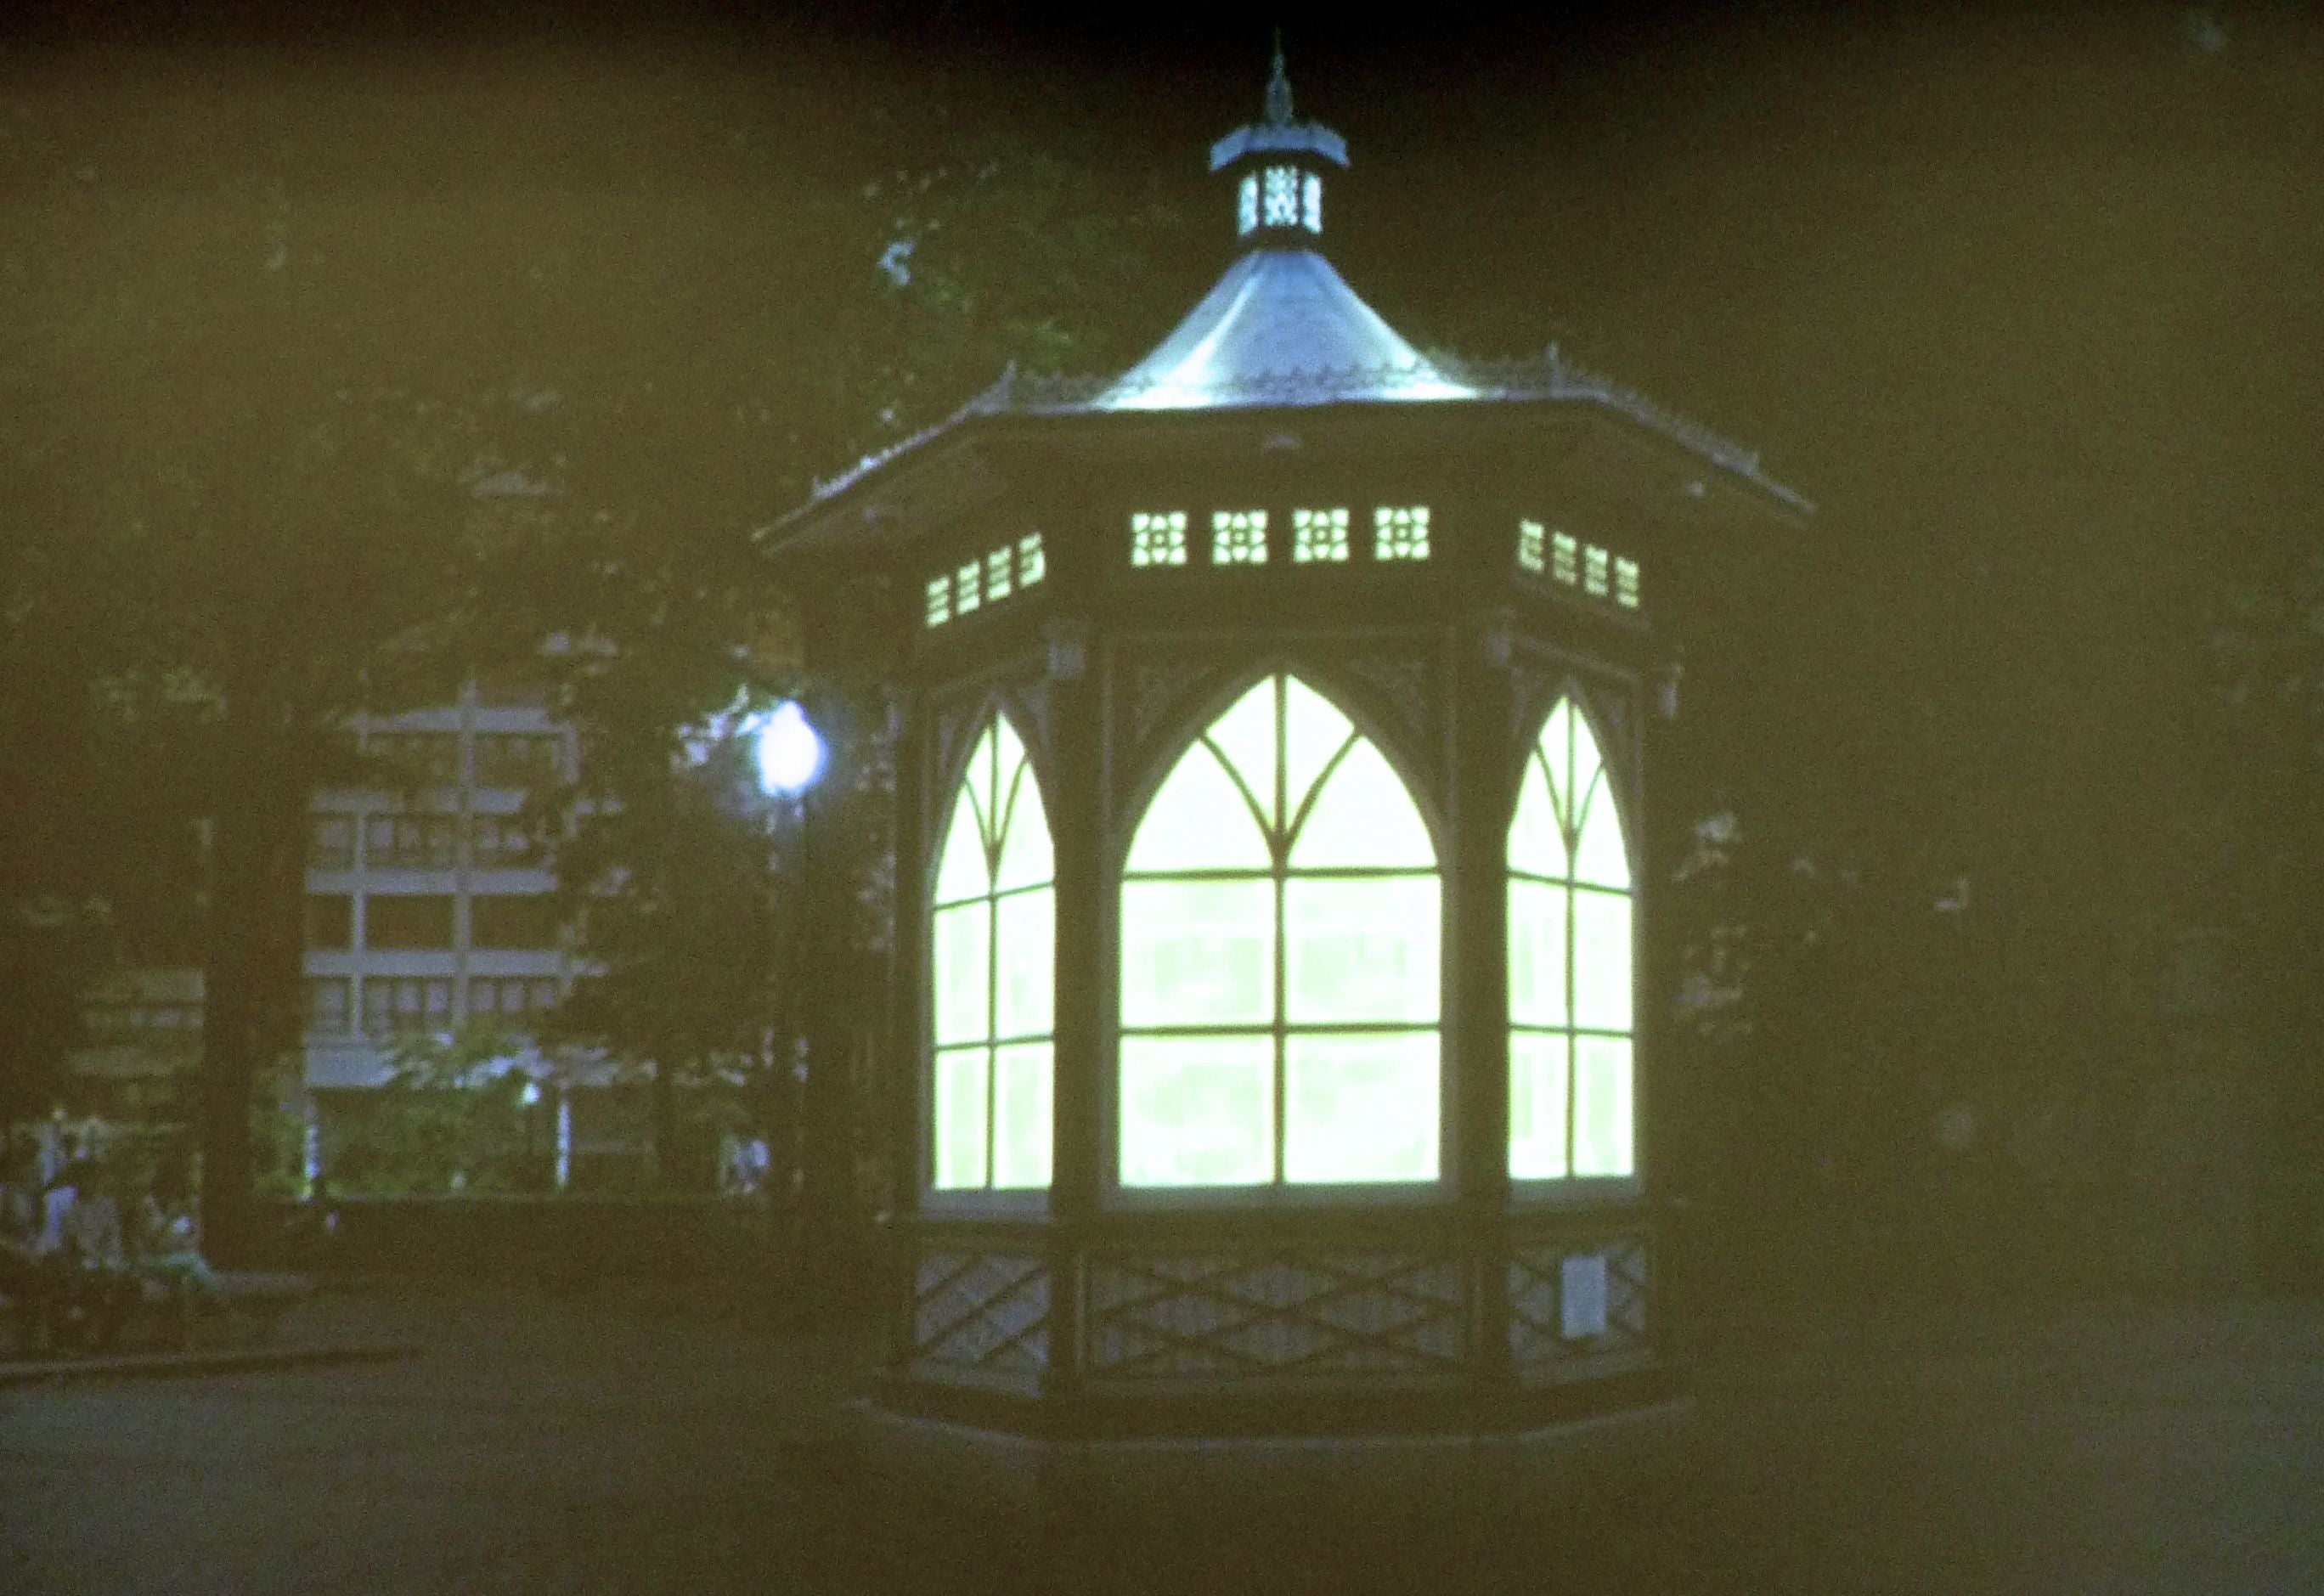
(1477, 1032)
(1076, 728)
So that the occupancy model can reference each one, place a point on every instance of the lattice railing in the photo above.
(1574, 1302)
(981, 1316)
(1281, 1315)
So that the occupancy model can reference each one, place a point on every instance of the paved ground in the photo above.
(555, 1444)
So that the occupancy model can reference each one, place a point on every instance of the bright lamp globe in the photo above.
(790, 754)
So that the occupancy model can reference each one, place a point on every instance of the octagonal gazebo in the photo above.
(1271, 905)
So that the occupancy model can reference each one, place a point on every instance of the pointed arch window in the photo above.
(1570, 967)
(1280, 923)
(992, 969)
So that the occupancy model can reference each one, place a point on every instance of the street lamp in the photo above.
(790, 758)
(790, 752)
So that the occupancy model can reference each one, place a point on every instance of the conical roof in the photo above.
(1281, 327)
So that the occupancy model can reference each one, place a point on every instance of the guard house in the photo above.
(1272, 911)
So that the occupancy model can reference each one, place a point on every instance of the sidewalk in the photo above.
(539, 1442)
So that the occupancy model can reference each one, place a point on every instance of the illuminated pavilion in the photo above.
(1273, 918)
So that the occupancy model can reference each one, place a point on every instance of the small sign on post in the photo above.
(1582, 1296)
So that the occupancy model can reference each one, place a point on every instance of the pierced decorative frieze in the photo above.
(1575, 1302)
(982, 1317)
(1213, 1316)
(1406, 689)
(1158, 688)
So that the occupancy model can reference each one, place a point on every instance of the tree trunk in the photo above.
(252, 969)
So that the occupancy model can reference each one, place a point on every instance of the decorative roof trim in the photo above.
(1546, 377)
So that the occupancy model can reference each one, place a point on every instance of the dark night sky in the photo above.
(2029, 306)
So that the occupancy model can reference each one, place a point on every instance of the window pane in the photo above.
(1026, 860)
(1021, 1137)
(1537, 954)
(1538, 1106)
(1363, 817)
(1314, 731)
(1026, 962)
(1602, 960)
(1197, 1110)
(1198, 820)
(963, 955)
(960, 1129)
(1600, 857)
(1601, 1105)
(1197, 953)
(1360, 950)
(1245, 736)
(963, 873)
(1360, 1108)
(1537, 842)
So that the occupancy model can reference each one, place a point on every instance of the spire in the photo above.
(1278, 89)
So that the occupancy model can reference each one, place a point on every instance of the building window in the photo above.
(1565, 552)
(1400, 534)
(1032, 561)
(514, 922)
(968, 588)
(327, 1008)
(402, 921)
(1246, 204)
(993, 969)
(997, 573)
(1530, 538)
(332, 843)
(1593, 571)
(406, 1004)
(1570, 970)
(500, 842)
(330, 920)
(1159, 539)
(393, 842)
(1319, 536)
(518, 759)
(1626, 583)
(432, 757)
(1279, 199)
(939, 600)
(1311, 203)
(1279, 960)
(1239, 538)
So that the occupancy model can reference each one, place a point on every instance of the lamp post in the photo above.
(790, 759)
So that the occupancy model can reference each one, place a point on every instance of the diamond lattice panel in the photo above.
(1538, 1344)
(1222, 1316)
(981, 1316)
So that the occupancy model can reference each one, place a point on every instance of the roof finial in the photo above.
(1278, 88)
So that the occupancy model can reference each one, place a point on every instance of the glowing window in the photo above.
(1279, 960)
(1239, 538)
(1319, 536)
(1530, 546)
(1565, 552)
(1311, 203)
(1246, 205)
(968, 588)
(1570, 963)
(1626, 583)
(1032, 561)
(1400, 534)
(997, 571)
(1280, 204)
(1593, 571)
(992, 975)
(939, 600)
(1159, 539)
